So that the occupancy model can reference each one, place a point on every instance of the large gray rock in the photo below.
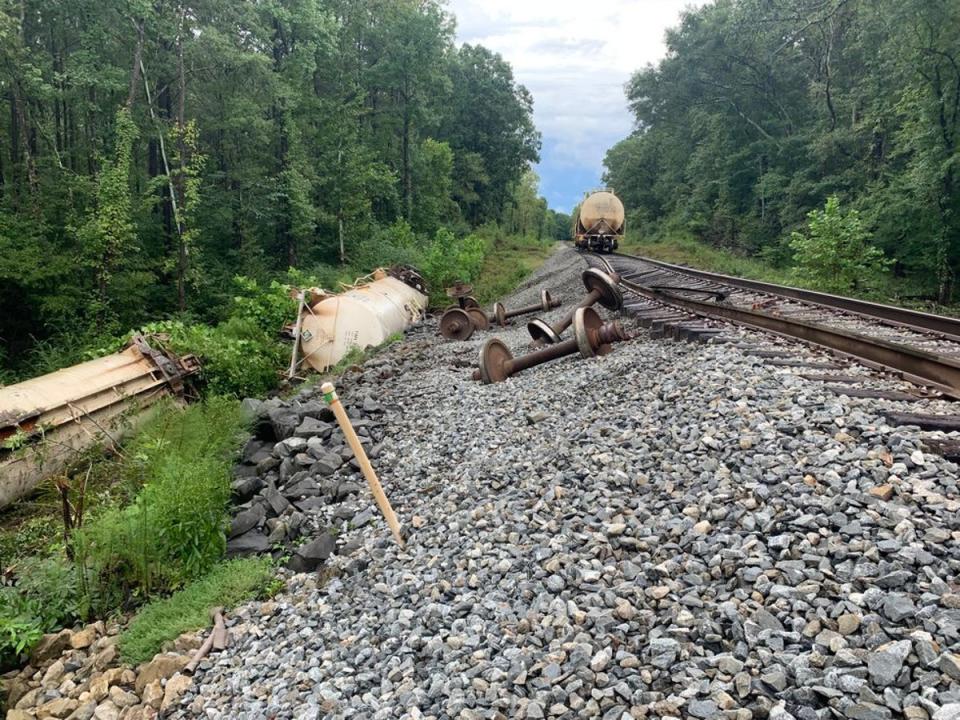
(244, 488)
(327, 464)
(247, 520)
(311, 427)
(663, 652)
(885, 663)
(283, 421)
(250, 543)
(311, 555)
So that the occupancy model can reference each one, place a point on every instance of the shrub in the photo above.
(43, 599)
(237, 357)
(834, 254)
(174, 529)
(447, 259)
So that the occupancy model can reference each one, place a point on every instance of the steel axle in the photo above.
(460, 291)
(501, 314)
(602, 288)
(591, 336)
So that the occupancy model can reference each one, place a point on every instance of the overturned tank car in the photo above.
(47, 420)
(385, 303)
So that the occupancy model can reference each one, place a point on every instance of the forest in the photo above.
(765, 111)
(152, 152)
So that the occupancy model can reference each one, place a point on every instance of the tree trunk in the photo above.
(25, 144)
(407, 179)
(137, 58)
(182, 249)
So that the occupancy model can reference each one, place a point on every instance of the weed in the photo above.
(174, 529)
(227, 584)
(273, 588)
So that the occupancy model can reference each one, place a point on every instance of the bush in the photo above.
(448, 259)
(174, 530)
(43, 599)
(227, 584)
(834, 254)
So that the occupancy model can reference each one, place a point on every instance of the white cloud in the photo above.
(575, 58)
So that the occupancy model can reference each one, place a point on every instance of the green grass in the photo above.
(227, 585)
(687, 251)
(510, 260)
(173, 531)
(681, 250)
(33, 526)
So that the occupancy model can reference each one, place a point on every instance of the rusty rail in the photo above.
(890, 314)
(918, 366)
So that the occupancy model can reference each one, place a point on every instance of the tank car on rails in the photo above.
(599, 222)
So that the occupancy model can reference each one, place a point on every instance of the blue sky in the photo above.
(575, 58)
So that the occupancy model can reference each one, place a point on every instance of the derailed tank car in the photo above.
(599, 223)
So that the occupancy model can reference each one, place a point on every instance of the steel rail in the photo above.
(918, 366)
(946, 326)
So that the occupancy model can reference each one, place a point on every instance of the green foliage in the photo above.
(686, 250)
(108, 236)
(227, 584)
(240, 356)
(18, 633)
(432, 204)
(760, 110)
(526, 213)
(174, 529)
(448, 259)
(509, 260)
(313, 129)
(835, 253)
(43, 599)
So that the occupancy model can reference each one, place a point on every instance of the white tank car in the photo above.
(600, 222)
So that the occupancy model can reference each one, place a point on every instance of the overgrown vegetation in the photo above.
(141, 171)
(763, 109)
(45, 598)
(172, 532)
(506, 265)
(227, 584)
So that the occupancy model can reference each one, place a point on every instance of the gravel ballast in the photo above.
(673, 530)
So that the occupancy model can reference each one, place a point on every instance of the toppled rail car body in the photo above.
(46, 420)
(364, 316)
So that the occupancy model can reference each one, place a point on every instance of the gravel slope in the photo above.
(669, 531)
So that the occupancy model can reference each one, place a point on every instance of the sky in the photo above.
(575, 58)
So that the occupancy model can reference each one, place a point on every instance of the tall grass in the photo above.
(174, 530)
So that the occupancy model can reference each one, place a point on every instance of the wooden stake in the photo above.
(330, 395)
(301, 301)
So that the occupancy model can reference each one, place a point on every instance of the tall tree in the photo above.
(762, 109)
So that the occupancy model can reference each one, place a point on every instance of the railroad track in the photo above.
(921, 348)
